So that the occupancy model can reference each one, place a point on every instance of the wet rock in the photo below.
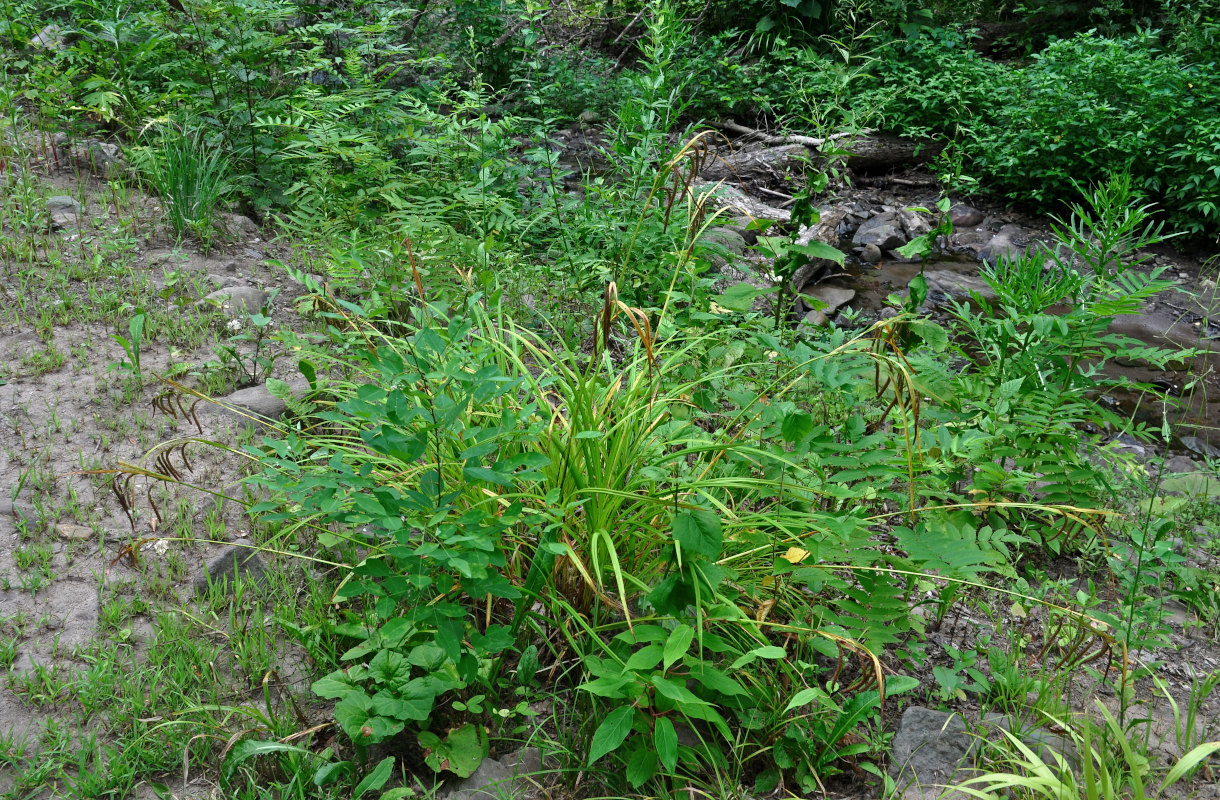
(256, 403)
(65, 212)
(914, 223)
(870, 254)
(969, 241)
(236, 226)
(1160, 330)
(506, 778)
(235, 301)
(238, 561)
(885, 230)
(1130, 446)
(964, 216)
(1004, 245)
(958, 285)
(824, 301)
(1181, 465)
(1196, 445)
(929, 747)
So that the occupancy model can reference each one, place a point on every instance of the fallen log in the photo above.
(773, 157)
(735, 202)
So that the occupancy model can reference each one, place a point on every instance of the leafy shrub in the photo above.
(934, 83)
(1085, 106)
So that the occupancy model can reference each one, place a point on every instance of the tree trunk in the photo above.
(772, 162)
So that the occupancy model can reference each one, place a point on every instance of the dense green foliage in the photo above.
(553, 463)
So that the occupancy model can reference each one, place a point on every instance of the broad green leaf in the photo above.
(698, 532)
(816, 249)
(333, 686)
(329, 773)
(460, 752)
(375, 779)
(797, 425)
(804, 697)
(646, 658)
(934, 336)
(607, 686)
(252, 748)
(677, 644)
(739, 297)
(641, 767)
(714, 679)
(676, 691)
(766, 651)
(611, 733)
(665, 738)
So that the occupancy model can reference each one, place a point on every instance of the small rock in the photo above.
(1129, 445)
(914, 223)
(235, 301)
(238, 560)
(958, 285)
(885, 230)
(1176, 612)
(506, 778)
(75, 532)
(590, 117)
(256, 403)
(870, 254)
(826, 300)
(102, 158)
(235, 226)
(16, 511)
(929, 747)
(65, 212)
(1197, 445)
(49, 38)
(724, 245)
(1181, 464)
(225, 281)
(964, 216)
(1003, 246)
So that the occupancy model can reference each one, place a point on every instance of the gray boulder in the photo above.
(506, 778)
(238, 561)
(929, 747)
(235, 301)
(49, 38)
(870, 254)
(101, 158)
(1004, 246)
(256, 404)
(964, 216)
(236, 226)
(957, 285)
(914, 223)
(65, 212)
(825, 301)
(885, 230)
